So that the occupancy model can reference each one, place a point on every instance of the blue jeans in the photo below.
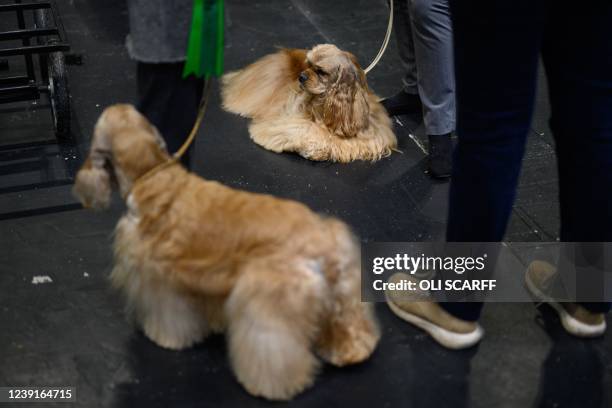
(497, 45)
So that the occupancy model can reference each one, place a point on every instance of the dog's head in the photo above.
(339, 89)
(124, 147)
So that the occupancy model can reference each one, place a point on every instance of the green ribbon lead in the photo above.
(205, 47)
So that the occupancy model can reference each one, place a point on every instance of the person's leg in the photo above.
(433, 48)
(496, 47)
(579, 69)
(406, 101)
(169, 102)
(405, 45)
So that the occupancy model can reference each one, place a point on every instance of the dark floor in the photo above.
(72, 331)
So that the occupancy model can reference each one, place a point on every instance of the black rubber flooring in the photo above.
(72, 331)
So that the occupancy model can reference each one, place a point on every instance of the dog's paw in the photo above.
(351, 350)
(350, 340)
(279, 382)
(173, 339)
(274, 142)
(270, 362)
(280, 389)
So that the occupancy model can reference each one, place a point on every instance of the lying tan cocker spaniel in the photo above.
(315, 103)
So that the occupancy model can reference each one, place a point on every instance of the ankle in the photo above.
(440, 155)
(402, 103)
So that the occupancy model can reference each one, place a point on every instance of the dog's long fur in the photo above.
(193, 256)
(329, 115)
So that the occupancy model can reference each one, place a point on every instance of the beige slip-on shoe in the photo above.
(417, 307)
(575, 318)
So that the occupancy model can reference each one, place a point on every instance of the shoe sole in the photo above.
(446, 338)
(569, 323)
(441, 176)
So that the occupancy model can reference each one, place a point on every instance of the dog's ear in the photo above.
(346, 108)
(361, 77)
(93, 185)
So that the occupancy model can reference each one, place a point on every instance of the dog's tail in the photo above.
(262, 88)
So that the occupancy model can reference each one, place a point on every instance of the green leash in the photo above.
(205, 47)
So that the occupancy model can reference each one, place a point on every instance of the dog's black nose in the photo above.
(303, 77)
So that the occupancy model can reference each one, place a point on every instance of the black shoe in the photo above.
(402, 103)
(440, 155)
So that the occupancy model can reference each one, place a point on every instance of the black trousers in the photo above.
(169, 102)
(497, 47)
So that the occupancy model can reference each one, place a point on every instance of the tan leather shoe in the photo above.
(417, 307)
(575, 319)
